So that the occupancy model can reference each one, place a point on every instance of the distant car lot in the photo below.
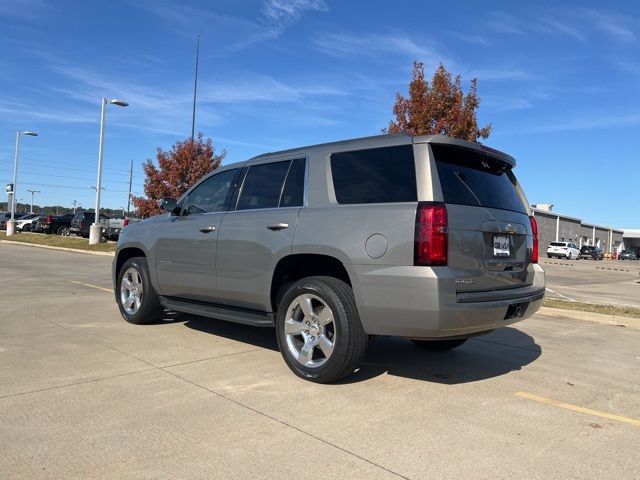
(68, 224)
(610, 282)
(199, 398)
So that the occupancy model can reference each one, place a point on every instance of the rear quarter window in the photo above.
(379, 175)
(472, 178)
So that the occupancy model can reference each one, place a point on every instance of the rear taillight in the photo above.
(49, 219)
(431, 237)
(126, 222)
(534, 231)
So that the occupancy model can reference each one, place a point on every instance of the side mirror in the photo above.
(168, 204)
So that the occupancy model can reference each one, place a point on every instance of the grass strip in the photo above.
(52, 240)
(590, 307)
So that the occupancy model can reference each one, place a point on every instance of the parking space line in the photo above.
(92, 286)
(576, 408)
(561, 295)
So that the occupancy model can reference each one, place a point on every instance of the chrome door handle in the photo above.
(208, 229)
(277, 226)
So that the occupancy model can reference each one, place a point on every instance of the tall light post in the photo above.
(11, 224)
(95, 231)
(33, 192)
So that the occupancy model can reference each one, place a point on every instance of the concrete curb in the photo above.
(64, 249)
(617, 320)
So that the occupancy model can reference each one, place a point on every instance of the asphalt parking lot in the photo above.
(85, 395)
(610, 282)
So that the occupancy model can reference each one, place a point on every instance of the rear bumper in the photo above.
(422, 302)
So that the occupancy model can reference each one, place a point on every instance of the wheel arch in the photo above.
(300, 265)
(125, 253)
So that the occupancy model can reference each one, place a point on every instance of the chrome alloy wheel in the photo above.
(310, 330)
(131, 290)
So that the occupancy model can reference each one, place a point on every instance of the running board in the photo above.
(220, 312)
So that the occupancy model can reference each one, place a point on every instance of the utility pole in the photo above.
(75, 204)
(195, 88)
(130, 181)
(33, 192)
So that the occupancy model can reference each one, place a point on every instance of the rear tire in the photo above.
(319, 331)
(136, 298)
(439, 345)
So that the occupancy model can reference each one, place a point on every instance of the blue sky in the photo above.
(559, 81)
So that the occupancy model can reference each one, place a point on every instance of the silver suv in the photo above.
(427, 238)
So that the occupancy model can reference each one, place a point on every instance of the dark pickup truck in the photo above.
(54, 223)
(81, 222)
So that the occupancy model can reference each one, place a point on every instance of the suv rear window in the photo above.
(473, 178)
(558, 244)
(379, 175)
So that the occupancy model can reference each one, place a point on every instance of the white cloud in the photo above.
(504, 23)
(593, 121)
(498, 74)
(617, 26)
(290, 10)
(233, 33)
(371, 45)
(20, 8)
(553, 24)
(473, 39)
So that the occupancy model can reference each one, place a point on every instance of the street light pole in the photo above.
(11, 224)
(95, 231)
(33, 192)
(195, 88)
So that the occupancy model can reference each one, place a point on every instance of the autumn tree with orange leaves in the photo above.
(177, 170)
(439, 107)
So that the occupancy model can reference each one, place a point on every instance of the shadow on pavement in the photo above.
(503, 351)
(258, 336)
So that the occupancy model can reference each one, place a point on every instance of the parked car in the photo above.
(589, 251)
(82, 220)
(563, 250)
(54, 223)
(4, 217)
(25, 223)
(627, 255)
(335, 243)
(115, 225)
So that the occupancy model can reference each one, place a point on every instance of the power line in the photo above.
(67, 187)
(86, 166)
(63, 176)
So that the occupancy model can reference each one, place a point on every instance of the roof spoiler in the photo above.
(478, 147)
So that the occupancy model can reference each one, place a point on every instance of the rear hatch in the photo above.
(76, 221)
(490, 240)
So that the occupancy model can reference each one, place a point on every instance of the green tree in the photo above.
(439, 107)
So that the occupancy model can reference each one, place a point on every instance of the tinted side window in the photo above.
(379, 175)
(262, 186)
(293, 191)
(211, 195)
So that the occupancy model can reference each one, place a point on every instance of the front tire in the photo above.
(136, 298)
(318, 328)
(439, 345)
